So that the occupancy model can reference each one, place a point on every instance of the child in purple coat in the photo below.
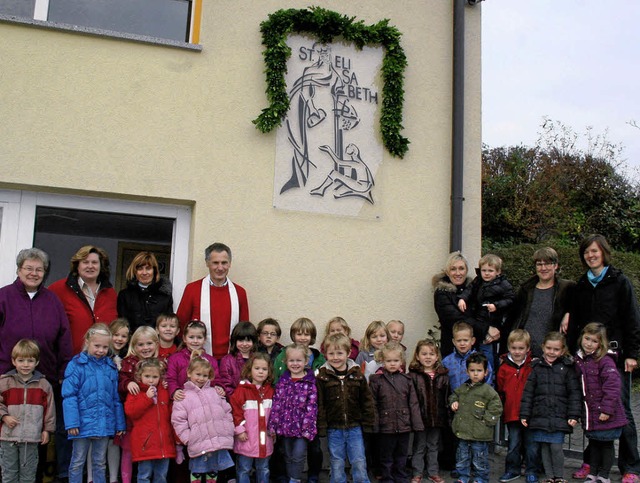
(244, 342)
(295, 409)
(603, 414)
(195, 333)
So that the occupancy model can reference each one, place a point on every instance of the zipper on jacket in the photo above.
(344, 401)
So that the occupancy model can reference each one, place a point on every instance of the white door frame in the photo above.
(19, 216)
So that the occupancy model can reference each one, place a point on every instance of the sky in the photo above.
(573, 61)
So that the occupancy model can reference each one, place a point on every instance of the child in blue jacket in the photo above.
(92, 409)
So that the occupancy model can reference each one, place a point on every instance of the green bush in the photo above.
(518, 264)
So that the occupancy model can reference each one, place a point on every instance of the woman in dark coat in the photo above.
(604, 294)
(447, 286)
(146, 295)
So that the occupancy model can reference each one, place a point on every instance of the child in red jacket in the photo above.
(152, 443)
(515, 367)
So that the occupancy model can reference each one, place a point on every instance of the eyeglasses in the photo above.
(269, 334)
(545, 264)
(38, 270)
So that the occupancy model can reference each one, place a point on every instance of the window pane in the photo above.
(167, 19)
(20, 8)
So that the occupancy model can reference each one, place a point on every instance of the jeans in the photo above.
(521, 447)
(488, 350)
(295, 450)
(476, 454)
(98, 459)
(19, 461)
(153, 471)
(347, 442)
(243, 468)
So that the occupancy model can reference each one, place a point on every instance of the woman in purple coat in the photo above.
(28, 310)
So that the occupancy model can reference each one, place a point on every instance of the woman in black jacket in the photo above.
(146, 295)
(604, 294)
(447, 286)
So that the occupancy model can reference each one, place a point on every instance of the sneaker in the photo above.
(602, 479)
(560, 480)
(436, 479)
(630, 478)
(416, 479)
(509, 476)
(532, 478)
(590, 479)
(582, 472)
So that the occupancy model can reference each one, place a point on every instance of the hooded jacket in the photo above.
(445, 302)
(251, 407)
(551, 395)
(90, 397)
(202, 420)
(31, 402)
(601, 388)
(152, 433)
(141, 306)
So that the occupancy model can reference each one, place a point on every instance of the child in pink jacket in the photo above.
(203, 422)
(251, 406)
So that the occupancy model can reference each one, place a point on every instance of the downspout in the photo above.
(457, 141)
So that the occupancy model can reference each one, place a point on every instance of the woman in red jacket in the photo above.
(87, 294)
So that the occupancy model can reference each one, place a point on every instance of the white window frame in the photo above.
(41, 15)
(19, 218)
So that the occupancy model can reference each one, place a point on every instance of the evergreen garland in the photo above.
(326, 25)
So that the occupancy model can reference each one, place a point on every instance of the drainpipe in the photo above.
(457, 146)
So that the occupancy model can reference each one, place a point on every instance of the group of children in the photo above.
(145, 400)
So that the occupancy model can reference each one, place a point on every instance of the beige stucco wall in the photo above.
(126, 119)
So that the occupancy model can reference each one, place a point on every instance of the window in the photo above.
(60, 224)
(173, 20)
(19, 8)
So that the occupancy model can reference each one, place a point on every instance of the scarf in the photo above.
(205, 309)
(595, 280)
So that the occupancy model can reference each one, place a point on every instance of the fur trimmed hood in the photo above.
(441, 281)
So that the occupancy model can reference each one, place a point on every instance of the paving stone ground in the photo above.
(573, 451)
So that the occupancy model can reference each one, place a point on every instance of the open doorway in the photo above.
(61, 231)
(60, 224)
